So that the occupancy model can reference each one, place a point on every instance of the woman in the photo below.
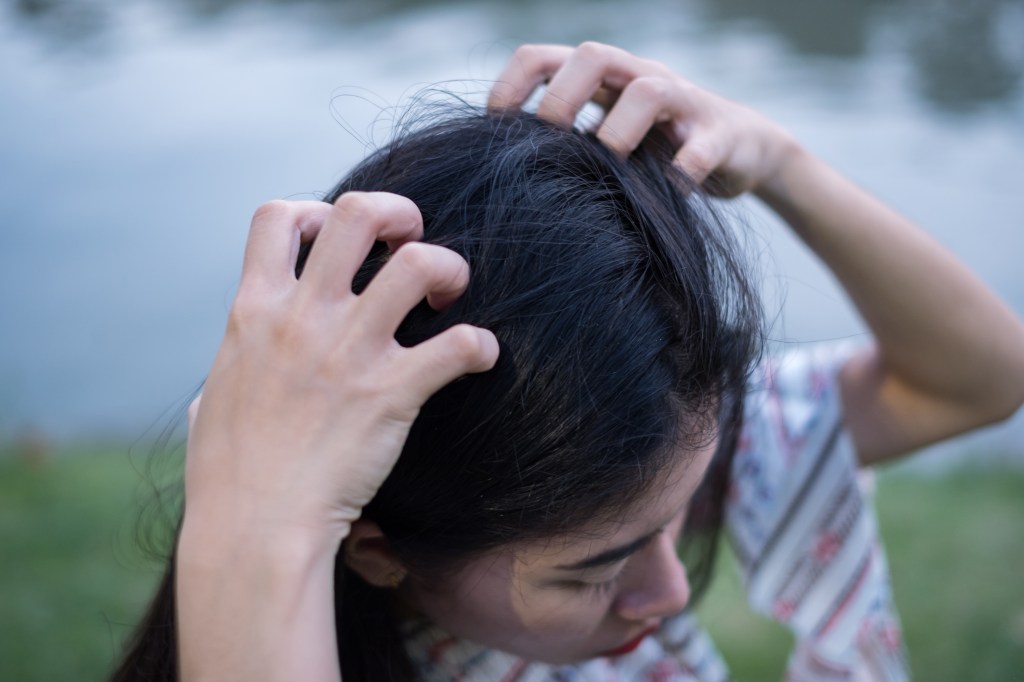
(529, 528)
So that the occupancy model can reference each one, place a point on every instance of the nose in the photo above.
(656, 586)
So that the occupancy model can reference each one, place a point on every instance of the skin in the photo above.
(310, 398)
(308, 378)
(538, 602)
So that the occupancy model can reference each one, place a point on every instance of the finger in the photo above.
(415, 272)
(529, 66)
(276, 231)
(356, 220)
(428, 366)
(701, 154)
(644, 102)
(590, 67)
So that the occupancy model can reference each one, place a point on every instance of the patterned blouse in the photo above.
(801, 525)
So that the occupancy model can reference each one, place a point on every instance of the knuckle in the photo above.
(657, 68)
(593, 51)
(404, 209)
(654, 88)
(464, 342)
(294, 332)
(417, 258)
(533, 58)
(375, 210)
(247, 305)
(357, 206)
(526, 53)
(238, 322)
(270, 211)
(254, 309)
(690, 91)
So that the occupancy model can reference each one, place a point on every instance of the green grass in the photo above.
(956, 555)
(74, 580)
(72, 574)
(957, 564)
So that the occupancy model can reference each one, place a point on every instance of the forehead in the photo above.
(663, 502)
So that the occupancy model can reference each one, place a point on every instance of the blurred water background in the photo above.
(137, 137)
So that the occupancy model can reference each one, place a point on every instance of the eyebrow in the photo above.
(611, 556)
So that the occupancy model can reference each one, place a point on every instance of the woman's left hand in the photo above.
(948, 353)
(727, 147)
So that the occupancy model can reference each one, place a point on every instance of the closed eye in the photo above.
(595, 589)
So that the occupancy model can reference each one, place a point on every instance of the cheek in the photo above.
(559, 612)
(477, 604)
(499, 608)
(556, 613)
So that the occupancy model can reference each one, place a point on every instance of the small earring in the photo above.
(395, 579)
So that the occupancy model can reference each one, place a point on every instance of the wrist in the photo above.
(254, 602)
(209, 539)
(789, 159)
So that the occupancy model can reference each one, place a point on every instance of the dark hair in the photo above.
(627, 327)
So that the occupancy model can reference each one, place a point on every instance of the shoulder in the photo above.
(800, 521)
(793, 448)
(792, 392)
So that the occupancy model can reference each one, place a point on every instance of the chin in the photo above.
(564, 655)
(619, 647)
(562, 659)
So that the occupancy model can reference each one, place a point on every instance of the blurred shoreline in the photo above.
(137, 137)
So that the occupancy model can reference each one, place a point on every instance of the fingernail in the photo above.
(490, 349)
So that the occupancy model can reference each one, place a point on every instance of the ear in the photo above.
(368, 553)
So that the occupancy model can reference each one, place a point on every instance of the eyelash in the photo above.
(597, 589)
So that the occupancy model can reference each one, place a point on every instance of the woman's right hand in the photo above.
(310, 398)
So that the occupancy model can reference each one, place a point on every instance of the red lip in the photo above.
(631, 645)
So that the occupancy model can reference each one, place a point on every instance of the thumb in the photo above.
(700, 156)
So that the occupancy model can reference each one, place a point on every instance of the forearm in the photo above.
(254, 607)
(940, 332)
